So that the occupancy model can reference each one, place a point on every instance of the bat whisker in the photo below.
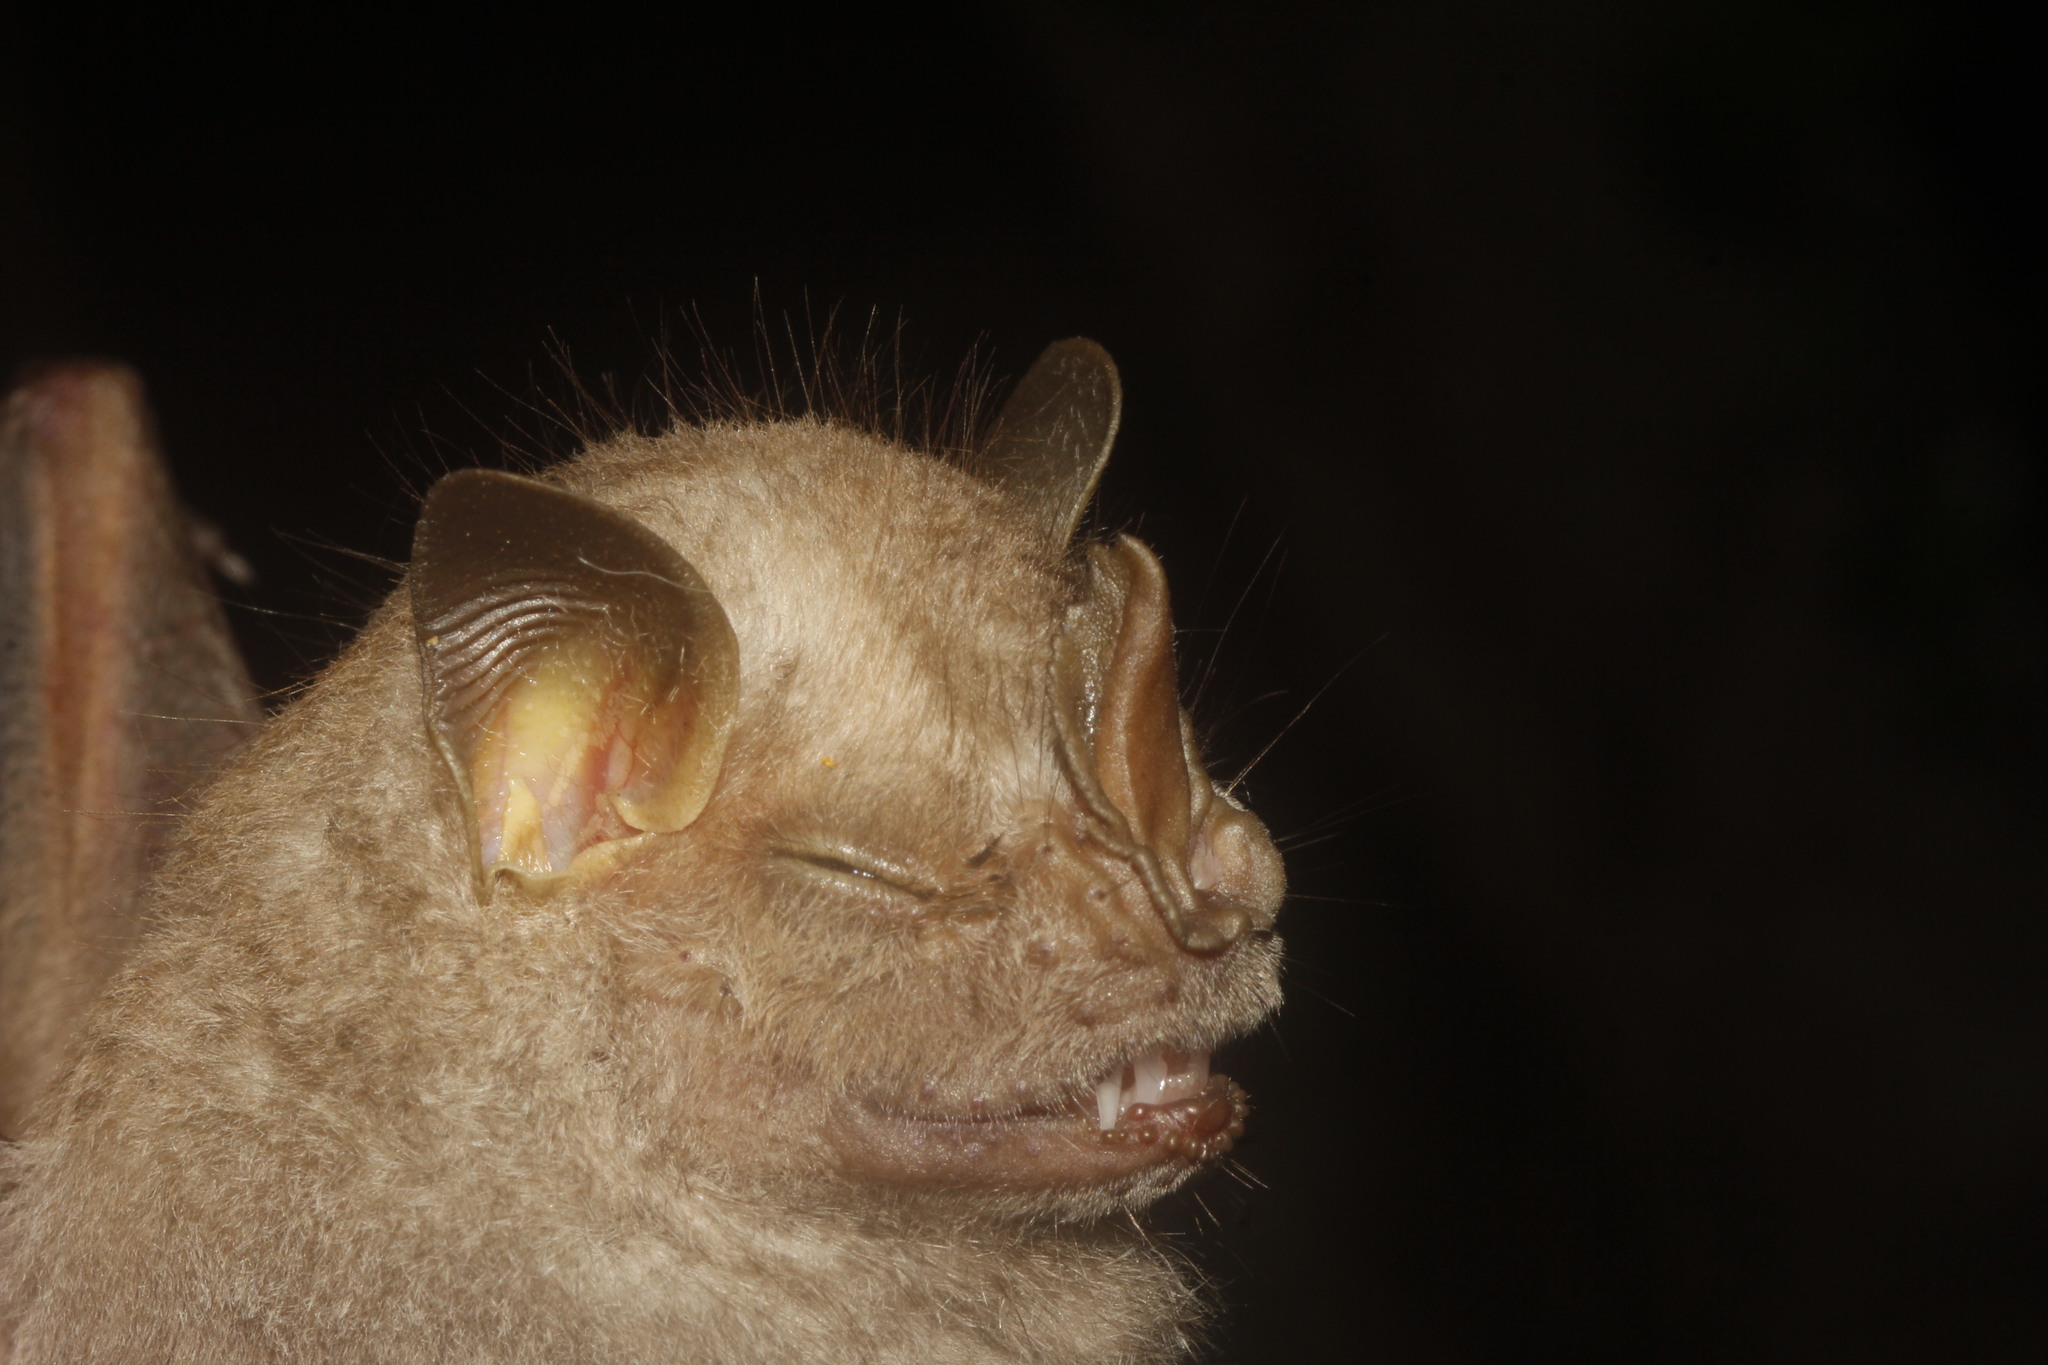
(1223, 632)
(1348, 813)
(1344, 900)
(1260, 757)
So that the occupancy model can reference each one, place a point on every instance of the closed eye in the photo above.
(859, 868)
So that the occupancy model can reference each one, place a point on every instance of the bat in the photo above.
(751, 894)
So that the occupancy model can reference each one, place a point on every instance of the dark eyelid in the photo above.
(846, 861)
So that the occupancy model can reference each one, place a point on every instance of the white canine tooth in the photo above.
(1189, 1080)
(1149, 1087)
(1108, 1099)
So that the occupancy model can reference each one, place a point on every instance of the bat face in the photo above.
(745, 838)
(916, 953)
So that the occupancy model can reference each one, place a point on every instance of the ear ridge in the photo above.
(1053, 437)
(580, 674)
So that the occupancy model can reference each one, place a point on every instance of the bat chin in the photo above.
(1143, 1128)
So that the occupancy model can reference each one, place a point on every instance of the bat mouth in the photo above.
(1151, 1120)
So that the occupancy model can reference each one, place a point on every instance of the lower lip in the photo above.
(1049, 1151)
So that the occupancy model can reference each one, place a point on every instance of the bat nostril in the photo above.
(1209, 931)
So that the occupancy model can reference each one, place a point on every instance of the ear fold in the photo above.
(580, 675)
(119, 689)
(1053, 436)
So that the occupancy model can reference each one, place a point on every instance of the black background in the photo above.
(1632, 414)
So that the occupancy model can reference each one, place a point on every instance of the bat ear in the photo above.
(580, 675)
(1053, 436)
(120, 688)
(1136, 766)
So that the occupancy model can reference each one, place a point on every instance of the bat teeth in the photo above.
(1156, 1078)
(1108, 1100)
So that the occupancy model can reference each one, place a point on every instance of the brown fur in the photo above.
(348, 1101)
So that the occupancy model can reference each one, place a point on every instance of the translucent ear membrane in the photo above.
(1053, 436)
(580, 675)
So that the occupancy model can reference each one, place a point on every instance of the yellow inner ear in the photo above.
(581, 675)
(550, 762)
(520, 843)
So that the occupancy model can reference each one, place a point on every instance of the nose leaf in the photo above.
(1130, 759)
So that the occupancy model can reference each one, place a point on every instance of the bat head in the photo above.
(863, 799)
